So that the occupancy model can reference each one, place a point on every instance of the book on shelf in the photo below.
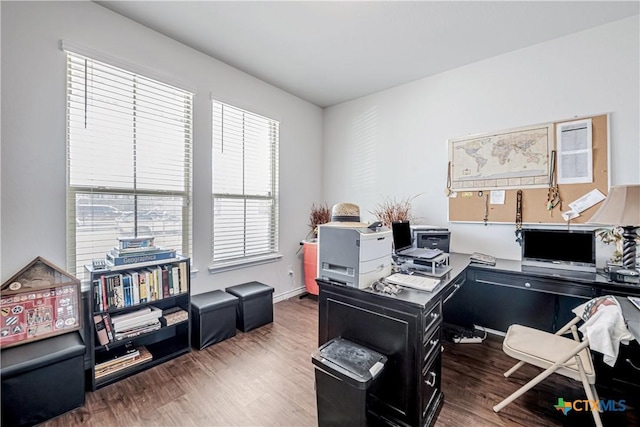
(114, 285)
(103, 329)
(103, 283)
(157, 274)
(152, 280)
(135, 242)
(129, 287)
(137, 251)
(173, 315)
(138, 330)
(130, 315)
(136, 287)
(143, 286)
(175, 279)
(116, 356)
(183, 277)
(136, 318)
(132, 357)
(97, 295)
(164, 276)
(135, 329)
(135, 326)
(169, 271)
(114, 260)
(109, 327)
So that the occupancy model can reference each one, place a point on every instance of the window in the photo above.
(245, 187)
(128, 161)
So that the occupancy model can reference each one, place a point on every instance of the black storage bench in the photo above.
(42, 379)
(256, 305)
(214, 318)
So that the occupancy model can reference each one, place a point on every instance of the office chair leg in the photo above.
(515, 368)
(595, 393)
(528, 386)
(591, 396)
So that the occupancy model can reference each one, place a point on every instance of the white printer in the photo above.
(355, 256)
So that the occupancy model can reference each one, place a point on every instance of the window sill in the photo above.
(234, 265)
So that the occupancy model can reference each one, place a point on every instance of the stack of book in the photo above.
(135, 323)
(173, 315)
(125, 358)
(120, 290)
(136, 250)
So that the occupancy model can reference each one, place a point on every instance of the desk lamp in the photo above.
(622, 208)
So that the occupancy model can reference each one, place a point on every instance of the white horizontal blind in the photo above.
(245, 185)
(128, 160)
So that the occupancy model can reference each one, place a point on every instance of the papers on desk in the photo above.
(413, 281)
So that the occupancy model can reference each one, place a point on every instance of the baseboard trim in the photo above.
(288, 294)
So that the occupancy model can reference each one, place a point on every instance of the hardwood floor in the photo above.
(265, 378)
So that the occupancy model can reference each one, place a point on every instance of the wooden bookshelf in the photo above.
(152, 346)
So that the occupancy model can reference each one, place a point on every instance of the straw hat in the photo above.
(345, 215)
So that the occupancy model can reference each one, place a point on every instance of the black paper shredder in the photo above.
(344, 373)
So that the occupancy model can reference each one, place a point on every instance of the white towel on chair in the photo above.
(604, 327)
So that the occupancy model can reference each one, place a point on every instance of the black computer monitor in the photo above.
(401, 231)
(567, 249)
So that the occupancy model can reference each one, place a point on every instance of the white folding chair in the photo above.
(555, 354)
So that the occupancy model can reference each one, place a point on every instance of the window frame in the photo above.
(226, 263)
(135, 193)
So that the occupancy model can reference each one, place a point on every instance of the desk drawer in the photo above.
(430, 346)
(432, 318)
(557, 287)
(453, 288)
(430, 386)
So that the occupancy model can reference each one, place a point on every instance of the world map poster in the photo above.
(518, 158)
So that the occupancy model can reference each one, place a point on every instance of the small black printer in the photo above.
(432, 237)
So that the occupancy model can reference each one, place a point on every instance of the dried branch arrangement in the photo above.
(390, 210)
(320, 214)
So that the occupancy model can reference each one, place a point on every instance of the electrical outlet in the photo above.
(290, 271)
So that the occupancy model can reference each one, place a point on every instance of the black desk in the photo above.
(406, 328)
(403, 326)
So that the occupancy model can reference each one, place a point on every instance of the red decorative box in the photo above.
(41, 301)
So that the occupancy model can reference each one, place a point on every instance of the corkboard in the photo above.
(534, 200)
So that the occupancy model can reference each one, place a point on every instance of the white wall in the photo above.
(393, 143)
(33, 134)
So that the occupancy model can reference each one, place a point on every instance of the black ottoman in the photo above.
(256, 305)
(214, 318)
(42, 379)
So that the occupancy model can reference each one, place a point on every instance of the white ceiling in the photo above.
(329, 52)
